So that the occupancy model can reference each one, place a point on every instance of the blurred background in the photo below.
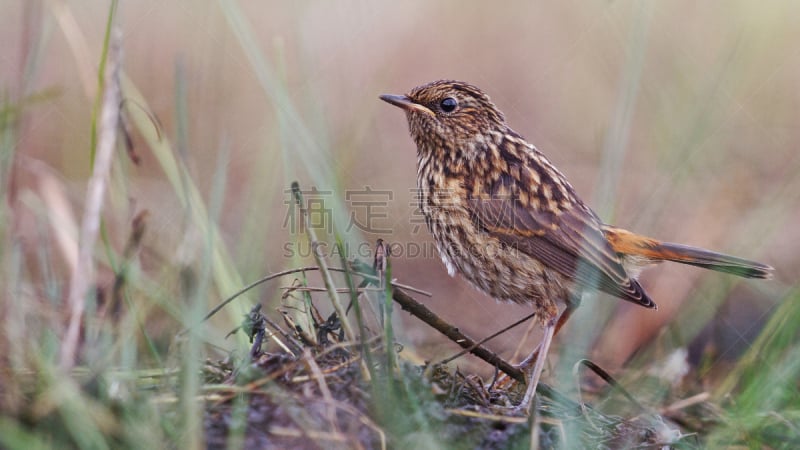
(675, 119)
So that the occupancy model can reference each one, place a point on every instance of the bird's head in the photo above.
(448, 113)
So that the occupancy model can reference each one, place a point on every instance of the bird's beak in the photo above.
(405, 103)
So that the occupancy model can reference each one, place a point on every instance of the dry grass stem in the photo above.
(83, 275)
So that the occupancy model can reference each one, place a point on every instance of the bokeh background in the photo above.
(676, 119)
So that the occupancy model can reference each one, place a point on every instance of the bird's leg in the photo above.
(533, 364)
(568, 311)
(533, 373)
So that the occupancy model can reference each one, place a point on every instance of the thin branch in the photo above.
(361, 273)
(488, 338)
(420, 311)
(241, 291)
(358, 290)
(610, 380)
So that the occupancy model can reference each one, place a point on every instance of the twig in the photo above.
(610, 380)
(485, 416)
(359, 290)
(241, 291)
(283, 273)
(420, 311)
(285, 335)
(316, 374)
(488, 338)
(686, 402)
(311, 434)
(305, 338)
(454, 334)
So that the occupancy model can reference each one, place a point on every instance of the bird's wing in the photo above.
(570, 242)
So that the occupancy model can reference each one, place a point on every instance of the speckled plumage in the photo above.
(485, 189)
(508, 220)
(495, 205)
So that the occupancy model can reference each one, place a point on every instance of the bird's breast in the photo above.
(501, 271)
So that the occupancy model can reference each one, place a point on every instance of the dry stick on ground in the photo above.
(454, 334)
(289, 338)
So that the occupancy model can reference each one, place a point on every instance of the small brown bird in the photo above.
(506, 219)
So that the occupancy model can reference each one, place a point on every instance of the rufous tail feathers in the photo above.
(631, 244)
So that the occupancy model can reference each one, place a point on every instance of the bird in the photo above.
(508, 221)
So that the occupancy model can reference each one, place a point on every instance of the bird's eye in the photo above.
(449, 104)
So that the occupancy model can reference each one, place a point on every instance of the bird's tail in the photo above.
(631, 244)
